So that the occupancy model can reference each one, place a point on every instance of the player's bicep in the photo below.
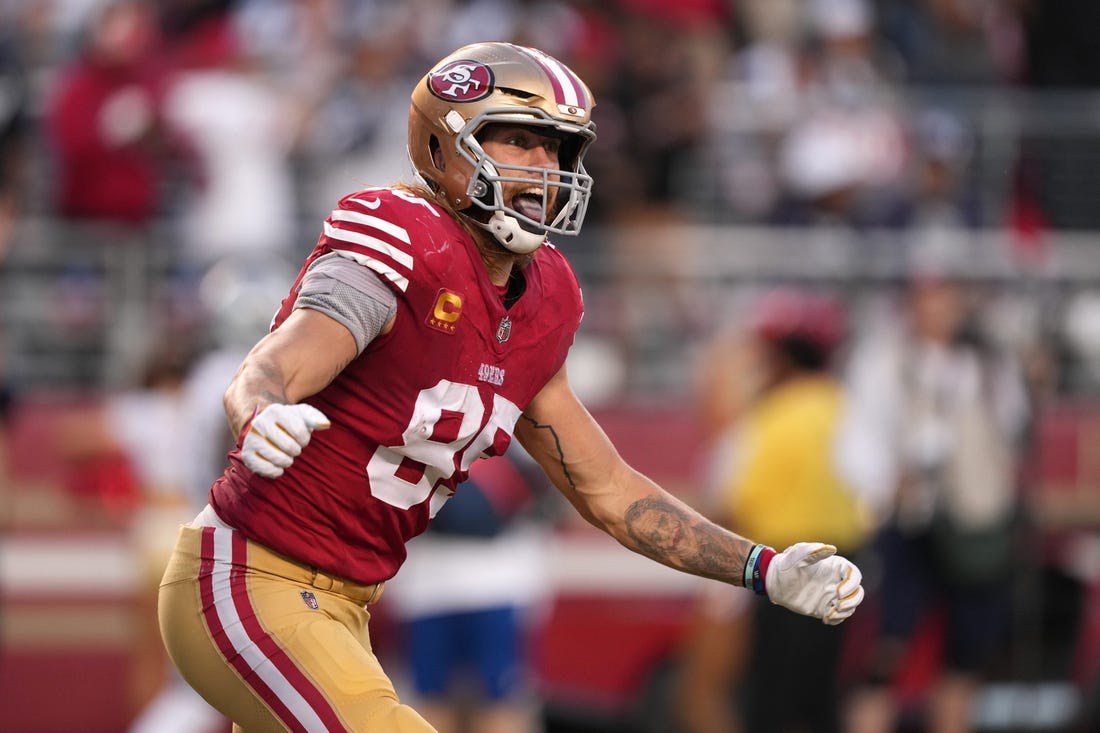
(305, 353)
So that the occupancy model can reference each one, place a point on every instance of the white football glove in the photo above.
(811, 579)
(277, 435)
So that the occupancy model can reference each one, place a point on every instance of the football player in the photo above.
(428, 327)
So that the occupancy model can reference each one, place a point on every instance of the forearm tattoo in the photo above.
(664, 531)
(557, 446)
(266, 383)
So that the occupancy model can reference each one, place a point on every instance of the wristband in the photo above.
(750, 565)
(756, 568)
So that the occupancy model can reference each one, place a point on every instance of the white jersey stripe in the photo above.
(399, 280)
(250, 651)
(365, 240)
(356, 217)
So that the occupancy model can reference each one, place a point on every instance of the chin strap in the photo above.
(511, 235)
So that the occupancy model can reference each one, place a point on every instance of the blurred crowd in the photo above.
(913, 442)
(163, 164)
(144, 141)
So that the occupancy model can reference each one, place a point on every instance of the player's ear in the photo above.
(438, 159)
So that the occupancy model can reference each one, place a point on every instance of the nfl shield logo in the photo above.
(504, 330)
(310, 599)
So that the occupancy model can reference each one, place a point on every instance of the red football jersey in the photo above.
(420, 404)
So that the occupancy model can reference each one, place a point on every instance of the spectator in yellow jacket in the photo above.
(776, 477)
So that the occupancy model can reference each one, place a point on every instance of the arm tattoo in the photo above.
(273, 398)
(557, 444)
(666, 532)
(270, 383)
(266, 384)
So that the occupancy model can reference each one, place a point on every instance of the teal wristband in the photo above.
(750, 565)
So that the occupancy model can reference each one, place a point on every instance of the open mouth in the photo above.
(529, 203)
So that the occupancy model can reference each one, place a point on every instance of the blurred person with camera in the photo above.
(938, 413)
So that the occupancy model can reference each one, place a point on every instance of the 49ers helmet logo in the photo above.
(461, 81)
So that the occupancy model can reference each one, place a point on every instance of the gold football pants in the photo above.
(272, 644)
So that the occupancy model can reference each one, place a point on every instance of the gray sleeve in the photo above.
(349, 293)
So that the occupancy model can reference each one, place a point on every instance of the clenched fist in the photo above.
(277, 435)
(811, 579)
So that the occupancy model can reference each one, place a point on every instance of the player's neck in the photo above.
(498, 264)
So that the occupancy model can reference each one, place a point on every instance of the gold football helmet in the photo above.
(488, 83)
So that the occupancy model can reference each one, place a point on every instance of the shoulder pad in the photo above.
(387, 230)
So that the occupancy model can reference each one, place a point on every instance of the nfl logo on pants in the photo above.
(310, 599)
